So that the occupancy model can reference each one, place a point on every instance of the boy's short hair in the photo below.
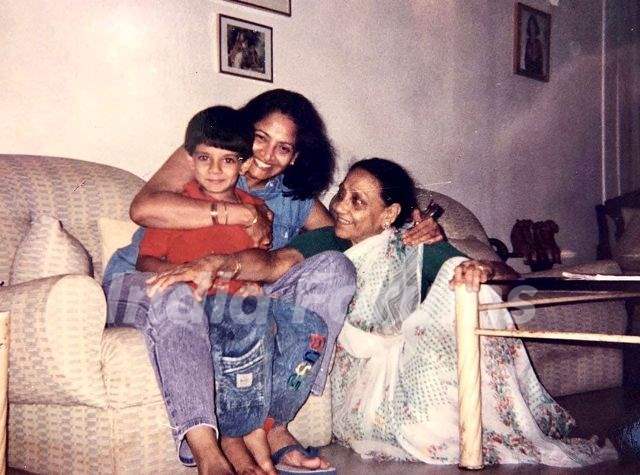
(221, 127)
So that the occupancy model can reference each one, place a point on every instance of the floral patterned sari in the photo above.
(394, 383)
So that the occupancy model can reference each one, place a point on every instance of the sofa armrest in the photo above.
(56, 327)
(128, 375)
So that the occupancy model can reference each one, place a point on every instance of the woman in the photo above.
(289, 140)
(394, 383)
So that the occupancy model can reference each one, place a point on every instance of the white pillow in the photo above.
(47, 249)
(114, 234)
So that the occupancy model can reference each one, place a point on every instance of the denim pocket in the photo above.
(243, 389)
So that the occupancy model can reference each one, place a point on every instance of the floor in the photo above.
(598, 412)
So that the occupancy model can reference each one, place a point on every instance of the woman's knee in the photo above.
(333, 266)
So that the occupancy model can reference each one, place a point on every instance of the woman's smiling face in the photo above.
(358, 209)
(273, 148)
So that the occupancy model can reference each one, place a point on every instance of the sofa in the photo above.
(84, 399)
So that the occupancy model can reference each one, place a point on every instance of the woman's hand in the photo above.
(201, 272)
(260, 231)
(426, 230)
(472, 274)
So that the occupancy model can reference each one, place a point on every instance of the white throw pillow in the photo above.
(47, 249)
(114, 234)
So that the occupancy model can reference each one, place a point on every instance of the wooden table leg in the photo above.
(469, 399)
(4, 377)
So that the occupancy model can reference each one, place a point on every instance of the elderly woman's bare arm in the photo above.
(160, 204)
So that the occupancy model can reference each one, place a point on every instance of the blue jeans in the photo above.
(176, 331)
(265, 357)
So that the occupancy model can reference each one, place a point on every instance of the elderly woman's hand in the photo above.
(472, 274)
(202, 272)
(426, 230)
(260, 230)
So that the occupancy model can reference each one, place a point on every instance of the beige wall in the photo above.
(428, 83)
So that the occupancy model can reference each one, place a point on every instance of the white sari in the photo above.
(394, 383)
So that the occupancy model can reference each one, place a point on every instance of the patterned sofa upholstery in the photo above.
(85, 400)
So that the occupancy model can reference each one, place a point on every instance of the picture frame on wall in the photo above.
(282, 7)
(532, 57)
(246, 48)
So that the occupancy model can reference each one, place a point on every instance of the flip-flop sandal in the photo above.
(284, 469)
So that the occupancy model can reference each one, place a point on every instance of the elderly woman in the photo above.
(394, 380)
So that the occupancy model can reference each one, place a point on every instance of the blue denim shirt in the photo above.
(289, 217)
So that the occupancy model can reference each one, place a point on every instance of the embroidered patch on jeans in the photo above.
(244, 380)
(316, 342)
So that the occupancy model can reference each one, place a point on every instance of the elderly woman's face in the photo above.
(358, 209)
(274, 143)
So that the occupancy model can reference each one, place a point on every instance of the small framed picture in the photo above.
(246, 49)
(277, 6)
(531, 56)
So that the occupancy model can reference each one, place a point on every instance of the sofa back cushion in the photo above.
(457, 221)
(76, 192)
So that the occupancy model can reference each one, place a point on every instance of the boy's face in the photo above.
(216, 169)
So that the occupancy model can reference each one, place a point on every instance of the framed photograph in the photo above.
(246, 49)
(278, 6)
(531, 56)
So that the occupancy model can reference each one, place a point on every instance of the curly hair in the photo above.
(312, 172)
(396, 185)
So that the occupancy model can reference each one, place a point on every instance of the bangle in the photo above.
(226, 213)
(214, 213)
(237, 269)
(255, 217)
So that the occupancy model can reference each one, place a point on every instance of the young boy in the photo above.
(217, 139)
(249, 367)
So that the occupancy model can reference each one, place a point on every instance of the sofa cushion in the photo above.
(114, 234)
(47, 249)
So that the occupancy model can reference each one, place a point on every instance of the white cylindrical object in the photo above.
(469, 397)
(4, 378)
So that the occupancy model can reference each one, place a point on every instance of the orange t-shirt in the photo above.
(178, 246)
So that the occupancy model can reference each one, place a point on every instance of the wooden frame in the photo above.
(468, 334)
(613, 208)
(245, 48)
(532, 43)
(283, 7)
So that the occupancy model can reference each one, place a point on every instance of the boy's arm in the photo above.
(160, 204)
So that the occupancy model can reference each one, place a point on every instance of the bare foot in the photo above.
(239, 456)
(208, 456)
(280, 437)
(257, 444)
